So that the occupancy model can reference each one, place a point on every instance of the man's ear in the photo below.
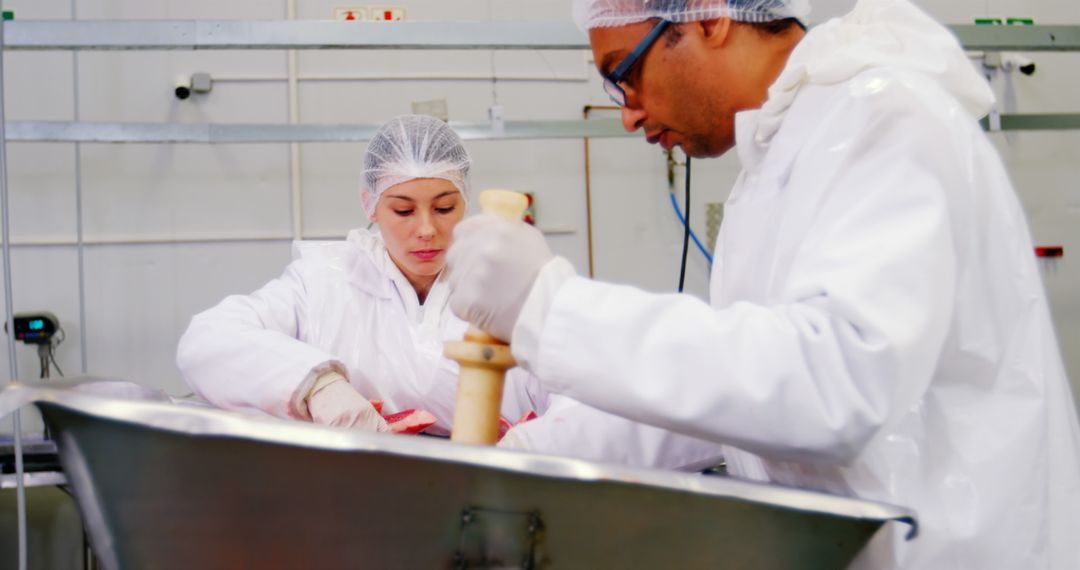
(715, 32)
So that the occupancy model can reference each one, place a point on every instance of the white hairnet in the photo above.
(410, 147)
(591, 14)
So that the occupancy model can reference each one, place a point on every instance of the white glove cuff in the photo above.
(525, 338)
(298, 404)
(325, 379)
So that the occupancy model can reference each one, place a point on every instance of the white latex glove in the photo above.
(337, 403)
(491, 268)
(513, 439)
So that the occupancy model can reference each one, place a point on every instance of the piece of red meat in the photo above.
(505, 425)
(410, 421)
(377, 404)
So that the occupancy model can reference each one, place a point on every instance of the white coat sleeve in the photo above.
(851, 343)
(522, 393)
(571, 429)
(246, 353)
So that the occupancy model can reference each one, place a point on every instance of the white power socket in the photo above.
(495, 115)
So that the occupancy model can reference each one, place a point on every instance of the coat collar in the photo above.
(892, 34)
(371, 270)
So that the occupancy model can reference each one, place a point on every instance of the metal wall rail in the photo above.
(49, 131)
(152, 133)
(1018, 38)
(319, 34)
(302, 34)
(1038, 122)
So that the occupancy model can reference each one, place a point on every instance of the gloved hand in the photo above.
(334, 402)
(491, 268)
(514, 439)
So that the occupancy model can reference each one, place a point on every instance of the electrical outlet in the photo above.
(495, 115)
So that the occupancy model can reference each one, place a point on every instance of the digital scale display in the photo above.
(36, 328)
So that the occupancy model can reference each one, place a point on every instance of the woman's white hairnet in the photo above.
(591, 14)
(410, 147)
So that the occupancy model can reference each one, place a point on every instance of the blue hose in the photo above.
(682, 220)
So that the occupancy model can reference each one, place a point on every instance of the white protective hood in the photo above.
(877, 33)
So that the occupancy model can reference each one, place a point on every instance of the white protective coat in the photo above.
(345, 306)
(878, 326)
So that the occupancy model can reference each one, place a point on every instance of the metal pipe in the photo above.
(215, 238)
(588, 183)
(12, 363)
(296, 204)
(79, 207)
(230, 133)
(402, 77)
(135, 240)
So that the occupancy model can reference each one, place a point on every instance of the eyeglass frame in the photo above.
(611, 82)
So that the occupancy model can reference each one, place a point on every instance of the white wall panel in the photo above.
(39, 86)
(185, 191)
(41, 191)
(140, 299)
(332, 188)
(554, 172)
(138, 86)
(185, 10)
(40, 9)
(376, 101)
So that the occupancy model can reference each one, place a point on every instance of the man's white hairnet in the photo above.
(591, 14)
(410, 147)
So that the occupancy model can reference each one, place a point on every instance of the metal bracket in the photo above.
(488, 539)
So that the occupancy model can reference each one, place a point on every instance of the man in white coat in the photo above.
(877, 325)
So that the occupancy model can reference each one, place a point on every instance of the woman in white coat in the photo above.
(877, 325)
(359, 320)
(365, 319)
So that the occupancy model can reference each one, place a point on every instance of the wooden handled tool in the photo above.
(484, 359)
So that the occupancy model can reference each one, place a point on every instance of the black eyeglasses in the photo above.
(611, 82)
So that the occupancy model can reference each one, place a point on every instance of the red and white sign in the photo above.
(351, 13)
(387, 14)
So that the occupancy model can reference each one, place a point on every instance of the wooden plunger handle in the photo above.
(484, 359)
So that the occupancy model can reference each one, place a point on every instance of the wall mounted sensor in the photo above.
(1009, 61)
(182, 90)
(197, 83)
(1013, 60)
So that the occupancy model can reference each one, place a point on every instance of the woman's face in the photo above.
(417, 220)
